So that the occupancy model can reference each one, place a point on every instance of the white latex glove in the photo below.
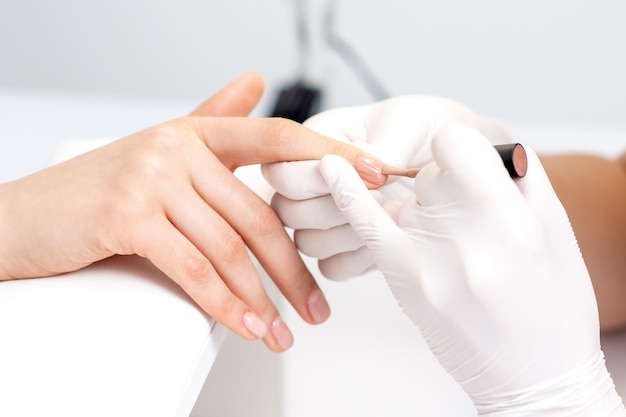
(489, 270)
(398, 131)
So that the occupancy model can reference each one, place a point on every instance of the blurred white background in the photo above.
(556, 61)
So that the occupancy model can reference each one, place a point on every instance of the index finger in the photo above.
(239, 141)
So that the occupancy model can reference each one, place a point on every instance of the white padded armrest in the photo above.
(117, 338)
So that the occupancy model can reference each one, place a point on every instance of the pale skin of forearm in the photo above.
(593, 192)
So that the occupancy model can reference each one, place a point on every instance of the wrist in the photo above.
(587, 391)
(11, 235)
(5, 241)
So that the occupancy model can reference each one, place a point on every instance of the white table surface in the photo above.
(115, 339)
(367, 360)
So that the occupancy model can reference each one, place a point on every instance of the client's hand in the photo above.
(168, 193)
(398, 131)
(489, 270)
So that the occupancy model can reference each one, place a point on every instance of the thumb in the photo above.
(238, 98)
(354, 200)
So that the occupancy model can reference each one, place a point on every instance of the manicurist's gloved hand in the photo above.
(489, 270)
(398, 131)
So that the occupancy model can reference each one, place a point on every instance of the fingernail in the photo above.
(254, 324)
(317, 306)
(370, 169)
(281, 333)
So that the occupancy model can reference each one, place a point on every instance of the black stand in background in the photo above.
(297, 102)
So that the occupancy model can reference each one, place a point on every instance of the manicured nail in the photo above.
(370, 169)
(281, 333)
(317, 306)
(254, 324)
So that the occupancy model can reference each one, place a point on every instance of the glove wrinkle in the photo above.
(584, 391)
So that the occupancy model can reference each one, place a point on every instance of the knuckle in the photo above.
(149, 167)
(160, 143)
(233, 249)
(145, 174)
(197, 269)
(168, 136)
(280, 131)
(266, 222)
